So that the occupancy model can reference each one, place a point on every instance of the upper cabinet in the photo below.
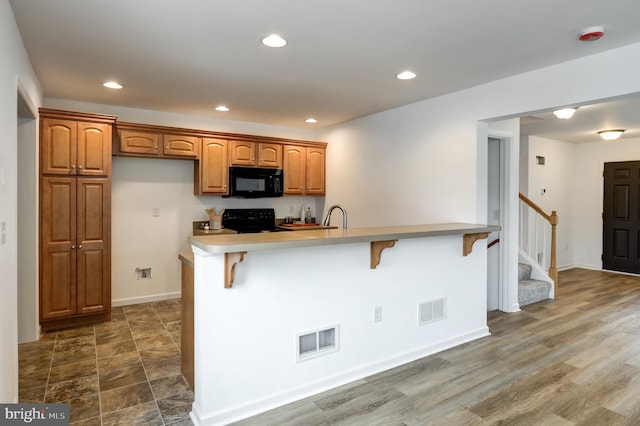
(212, 171)
(181, 145)
(260, 154)
(74, 144)
(304, 170)
(139, 140)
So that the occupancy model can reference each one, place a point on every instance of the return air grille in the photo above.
(316, 343)
(432, 310)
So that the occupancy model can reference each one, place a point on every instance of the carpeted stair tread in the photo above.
(532, 291)
(524, 271)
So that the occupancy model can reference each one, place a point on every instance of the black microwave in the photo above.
(253, 182)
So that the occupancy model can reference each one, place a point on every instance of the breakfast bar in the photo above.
(284, 315)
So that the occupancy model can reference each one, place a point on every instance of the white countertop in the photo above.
(220, 244)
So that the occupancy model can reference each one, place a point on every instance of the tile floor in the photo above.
(126, 371)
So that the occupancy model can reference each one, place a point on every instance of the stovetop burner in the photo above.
(249, 220)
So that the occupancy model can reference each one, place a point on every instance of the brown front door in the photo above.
(621, 217)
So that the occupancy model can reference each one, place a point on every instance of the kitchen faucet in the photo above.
(344, 215)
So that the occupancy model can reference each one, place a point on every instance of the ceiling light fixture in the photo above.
(274, 40)
(610, 135)
(112, 85)
(222, 108)
(406, 75)
(310, 120)
(565, 113)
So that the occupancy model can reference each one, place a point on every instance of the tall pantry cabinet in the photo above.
(75, 218)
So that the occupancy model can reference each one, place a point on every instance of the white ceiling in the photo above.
(188, 56)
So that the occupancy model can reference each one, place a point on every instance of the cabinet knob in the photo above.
(80, 246)
(80, 167)
(73, 246)
(155, 146)
(73, 166)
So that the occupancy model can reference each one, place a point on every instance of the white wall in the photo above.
(140, 240)
(587, 167)
(557, 178)
(15, 70)
(417, 163)
(573, 179)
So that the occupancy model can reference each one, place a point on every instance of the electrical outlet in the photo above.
(377, 314)
(155, 212)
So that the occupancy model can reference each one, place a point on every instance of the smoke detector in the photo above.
(591, 34)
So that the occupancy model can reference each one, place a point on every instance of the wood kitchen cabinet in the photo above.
(212, 171)
(260, 154)
(304, 170)
(75, 218)
(70, 147)
(75, 274)
(139, 140)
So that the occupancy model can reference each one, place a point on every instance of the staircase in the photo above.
(530, 290)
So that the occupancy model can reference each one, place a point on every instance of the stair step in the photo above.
(524, 271)
(532, 291)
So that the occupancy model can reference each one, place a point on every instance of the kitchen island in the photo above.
(281, 316)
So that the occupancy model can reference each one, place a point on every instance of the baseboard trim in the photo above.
(270, 402)
(145, 299)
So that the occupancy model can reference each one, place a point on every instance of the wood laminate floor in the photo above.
(570, 361)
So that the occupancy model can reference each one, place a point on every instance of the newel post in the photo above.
(553, 269)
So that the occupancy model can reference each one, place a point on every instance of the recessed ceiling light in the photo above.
(274, 40)
(565, 113)
(222, 108)
(310, 120)
(112, 85)
(406, 75)
(610, 135)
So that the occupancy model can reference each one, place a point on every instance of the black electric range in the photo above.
(245, 221)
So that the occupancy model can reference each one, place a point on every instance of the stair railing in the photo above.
(530, 236)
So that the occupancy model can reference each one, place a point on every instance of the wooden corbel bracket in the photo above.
(469, 239)
(230, 261)
(376, 250)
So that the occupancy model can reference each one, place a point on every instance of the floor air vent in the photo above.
(430, 311)
(316, 343)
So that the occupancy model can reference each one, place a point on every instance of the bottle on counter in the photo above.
(307, 218)
(303, 213)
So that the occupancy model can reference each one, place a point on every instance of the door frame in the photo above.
(509, 189)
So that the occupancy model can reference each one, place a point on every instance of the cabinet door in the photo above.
(181, 146)
(294, 169)
(270, 155)
(93, 249)
(94, 149)
(242, 153)
(57, 247)
(315, 176)
(58, 147)
(146, 143)
(212, 171)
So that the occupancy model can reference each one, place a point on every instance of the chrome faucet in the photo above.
(344, 215)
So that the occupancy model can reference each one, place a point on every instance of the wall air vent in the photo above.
(315, 343)
(432, 310)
